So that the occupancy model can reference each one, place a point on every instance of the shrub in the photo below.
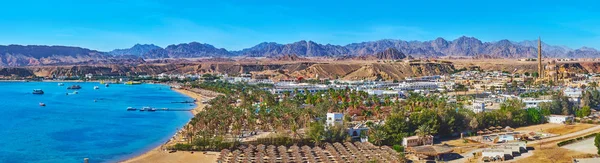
(398, 148)
(182, 147)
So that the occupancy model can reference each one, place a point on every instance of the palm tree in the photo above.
(594, 85)
(377, 135)
(423, 131)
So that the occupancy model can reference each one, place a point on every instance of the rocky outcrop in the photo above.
(136, 50)
(18, 55)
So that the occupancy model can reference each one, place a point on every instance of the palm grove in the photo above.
(299, 117)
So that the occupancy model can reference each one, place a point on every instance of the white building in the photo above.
(415, 141)
(490, 154)
(334, 118)
(356, 131)
(417, 86)
(388, 93)
(533, 103)
(89, 75)
(560, 119)
(478, 107)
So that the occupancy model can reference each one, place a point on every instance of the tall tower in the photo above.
(540, 67)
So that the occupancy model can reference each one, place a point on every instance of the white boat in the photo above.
(96, 87)
(147, 108)
(131, 109)
(61, 84)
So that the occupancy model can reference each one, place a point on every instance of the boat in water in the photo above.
(131, 109)
(146, 108)
(96, 87)
(61, 84)
(143, 109)
(38, 91)
(42, 104)
(74, 87)
(106, 85)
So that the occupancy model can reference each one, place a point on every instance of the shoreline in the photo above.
(158, 154)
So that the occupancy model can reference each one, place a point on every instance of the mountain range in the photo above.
(18, 55)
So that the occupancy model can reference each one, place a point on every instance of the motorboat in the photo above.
(146, 108)
(61, 84)
(106, 85)
(143, 109)
(131, 109)
(38, 91)
(74, 87)
(96, 87)
(42, 104)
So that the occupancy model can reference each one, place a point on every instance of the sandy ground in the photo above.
(548, 151)
(585, 146)
(159, 155)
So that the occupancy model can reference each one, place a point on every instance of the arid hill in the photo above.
(350, 70)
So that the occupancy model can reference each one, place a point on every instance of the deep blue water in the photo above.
(73, 127)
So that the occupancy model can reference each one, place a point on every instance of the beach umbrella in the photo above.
(492, 128)
(496, 130)
(480, 132)
(498, 127)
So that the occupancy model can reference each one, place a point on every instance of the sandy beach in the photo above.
(159, 155)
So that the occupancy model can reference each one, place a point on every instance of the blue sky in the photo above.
(109, 24)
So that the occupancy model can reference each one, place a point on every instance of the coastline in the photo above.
(158, 154)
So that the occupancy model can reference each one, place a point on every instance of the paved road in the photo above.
(569, 135)
(585, 146)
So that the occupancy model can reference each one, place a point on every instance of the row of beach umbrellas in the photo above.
(493, 129)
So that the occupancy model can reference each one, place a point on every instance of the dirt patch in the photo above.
(565, 129)
(553, 154)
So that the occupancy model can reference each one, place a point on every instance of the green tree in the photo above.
(377, 134)
(584, 111)
(597, 142)
(316, 131)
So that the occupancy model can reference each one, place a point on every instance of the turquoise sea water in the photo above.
(73, 127)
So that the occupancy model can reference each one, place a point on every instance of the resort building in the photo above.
(417, 141)
(358, 129)
(384, 93)
(478, 107)
(417, 86)
(334, 118)
(533, 103)
(560, 119)
(492, 154)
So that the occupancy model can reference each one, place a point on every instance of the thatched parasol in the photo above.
(532, 133)
(492, 128)
(509, 129)
(480, 132)
(496, 130)
(498, 127)
(430, 150)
